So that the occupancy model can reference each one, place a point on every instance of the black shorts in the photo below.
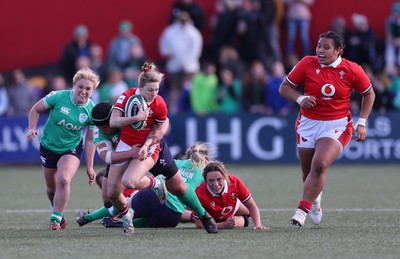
(107, 170)
(49, 159)
(165, 164)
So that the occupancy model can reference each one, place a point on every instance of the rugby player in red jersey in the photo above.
(324, 126)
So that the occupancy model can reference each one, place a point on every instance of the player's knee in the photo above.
(108, 204)
(129, 183)
(320, 167)
(50, 191)
(176, 188)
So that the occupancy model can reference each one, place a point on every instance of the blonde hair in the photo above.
(149, 74)
(215, 166)
(88, 74)
(199, 154)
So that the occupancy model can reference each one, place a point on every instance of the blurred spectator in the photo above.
(361, 42)
(291, 61)
(394, 87)
(229, 56)
(133, 67)
(298, 18)
(275, 29)
(21, 95)
(97, 62)
(113, 87)
(181, 45)
(254, 88)
(274, 102)
(121, 45)
(137, 57)
(83, 62)
(229, 92)
(223, 24)
(392, 51)
(339, 26)
(56, 83)
(203, 93)
(381, 83)
(269, 40)
(248, 32)
(79, 46)
(193, 8)
(38, 84)
(4, 102)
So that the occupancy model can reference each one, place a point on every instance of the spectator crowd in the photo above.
(238, 69)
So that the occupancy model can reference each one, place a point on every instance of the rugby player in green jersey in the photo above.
(61, 142)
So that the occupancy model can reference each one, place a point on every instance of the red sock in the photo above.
(305, 206)
(152, 182)
(123, 212)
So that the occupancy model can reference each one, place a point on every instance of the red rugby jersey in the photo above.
(158, 114)
(331, 85)
(220, 207)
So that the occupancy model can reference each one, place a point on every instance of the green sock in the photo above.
(97, 214)
(140, 223)
(56, 217)
(190, 199)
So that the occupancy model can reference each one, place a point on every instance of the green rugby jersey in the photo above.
(63, 129)
(99, 136)
(192, 177)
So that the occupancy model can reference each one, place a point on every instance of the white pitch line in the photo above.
(337, 209)
(27, 211)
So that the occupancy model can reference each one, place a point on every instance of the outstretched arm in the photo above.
(254, 214)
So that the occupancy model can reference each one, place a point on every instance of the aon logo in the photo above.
(69, 126)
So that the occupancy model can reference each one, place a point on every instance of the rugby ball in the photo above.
(132, 108)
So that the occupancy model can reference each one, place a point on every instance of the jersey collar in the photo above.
(223, 192)
(334, 64)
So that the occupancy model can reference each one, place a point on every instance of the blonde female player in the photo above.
(61, 141)
(132, 174)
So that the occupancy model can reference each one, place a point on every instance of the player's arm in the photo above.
(117, 119)
(158, 131)
(289, 92)
(104, 149)
(367, 103)
(90, 148)
(231, 222)
(33, 118)
(254, 213)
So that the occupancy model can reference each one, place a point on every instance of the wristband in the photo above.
(108, 157)
(301, 98)
(361, 122)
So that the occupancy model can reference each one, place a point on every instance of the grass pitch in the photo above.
(361, 206)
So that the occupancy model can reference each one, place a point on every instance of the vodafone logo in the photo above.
(328, 90)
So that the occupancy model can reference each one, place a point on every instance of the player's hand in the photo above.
(134, 151)
(142, 115)
(361, 132)
(230, 222)
(91, 174)
(32, 133)
(308, 102)
(261, 227)
(143, 152)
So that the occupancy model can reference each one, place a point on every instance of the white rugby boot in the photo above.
(316, 210)
(298, 218)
